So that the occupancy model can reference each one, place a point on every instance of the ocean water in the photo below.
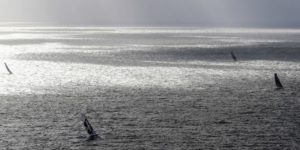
(149, 88)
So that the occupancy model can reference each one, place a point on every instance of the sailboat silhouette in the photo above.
(233, 56)
(277, 81)
(92, 134)
(9, 71)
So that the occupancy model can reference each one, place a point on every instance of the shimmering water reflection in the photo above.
(149, 88)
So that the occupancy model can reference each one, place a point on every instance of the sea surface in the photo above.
(149, 88)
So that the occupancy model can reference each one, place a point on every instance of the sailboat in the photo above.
(9, 71)
(277, 81)
(92, 134)
(233, 56)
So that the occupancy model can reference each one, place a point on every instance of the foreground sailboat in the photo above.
(92, 134)
(233, 56)
(277, 81)
(9, 71)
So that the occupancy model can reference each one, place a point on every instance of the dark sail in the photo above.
(277, 81)
(9, 71)
(89, 128)
(233, 56)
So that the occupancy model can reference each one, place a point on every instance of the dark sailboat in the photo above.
(92, 134)
(9, 71)
(277, 81)
(233, 56)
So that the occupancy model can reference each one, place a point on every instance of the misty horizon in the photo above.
(190, 13)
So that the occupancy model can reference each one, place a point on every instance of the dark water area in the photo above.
(219, 117)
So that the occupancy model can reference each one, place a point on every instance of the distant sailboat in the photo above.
(92, 134)
(277, 81)
(233, 56)
(9, 71)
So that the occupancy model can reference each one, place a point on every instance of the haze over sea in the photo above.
(149, 87)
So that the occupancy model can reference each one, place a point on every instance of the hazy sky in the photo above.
(249, 13)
